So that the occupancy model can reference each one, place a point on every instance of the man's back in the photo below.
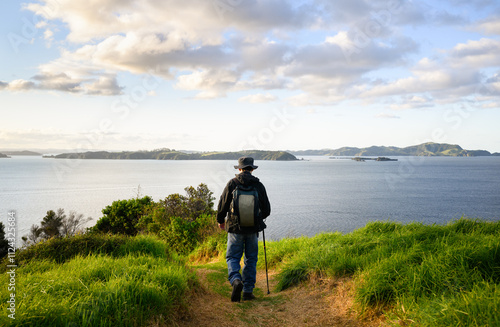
(245, 178)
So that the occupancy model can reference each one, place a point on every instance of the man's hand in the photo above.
(222, 226)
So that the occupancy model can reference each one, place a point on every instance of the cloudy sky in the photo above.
(241, 74)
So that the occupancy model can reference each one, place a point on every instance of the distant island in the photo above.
(374, 159)
(424, 149)
(22, 153)
(2, 155)
(168, 154)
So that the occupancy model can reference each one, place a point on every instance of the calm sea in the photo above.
(307, 197)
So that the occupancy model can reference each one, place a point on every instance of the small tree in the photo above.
(55, 224)
(35, 235)
(52, 223)
(199, 200)
(175, 205)
(72, 224)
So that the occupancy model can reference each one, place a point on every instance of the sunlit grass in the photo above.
(422, 273)
(432, 275)
(136, 285)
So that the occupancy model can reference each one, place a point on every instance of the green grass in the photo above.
(213, 247)
(63, 249)
(139, 283)
(427, 274)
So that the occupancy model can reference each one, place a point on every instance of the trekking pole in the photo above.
(265, 259)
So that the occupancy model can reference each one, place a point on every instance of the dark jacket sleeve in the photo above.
(265, 206)
(224, 202)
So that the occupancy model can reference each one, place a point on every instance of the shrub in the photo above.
(122, 216)
(197, 202)
(183, 235)
(182, 221)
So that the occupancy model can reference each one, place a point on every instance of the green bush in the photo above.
(122, 216)
(182, 221)
(198, 202)
(183, 235)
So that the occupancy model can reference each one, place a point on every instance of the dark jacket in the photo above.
(246, 179)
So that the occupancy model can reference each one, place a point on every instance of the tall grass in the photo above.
(63, 249)
(214, 246)
(418, 272)
(432, 275)
(134, 284)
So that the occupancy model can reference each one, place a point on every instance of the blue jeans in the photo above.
(236, 245)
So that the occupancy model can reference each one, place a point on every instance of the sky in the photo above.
(230, 75)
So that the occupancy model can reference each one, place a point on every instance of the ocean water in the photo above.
(307, 197)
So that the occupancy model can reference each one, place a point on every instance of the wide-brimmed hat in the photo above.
(244, 162)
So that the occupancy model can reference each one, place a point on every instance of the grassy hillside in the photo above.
(97, 280)
(415, 274)
(430, 275)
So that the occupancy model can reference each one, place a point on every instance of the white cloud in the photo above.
(258, 98)
(262, 56)
(490, 26)
(259, 45)
(456, 74)
(198, 21)
(213, 83)
(20, 85)
(105, 85)
(169, 37)
(59, 82)
(327, 76)
(476, 54)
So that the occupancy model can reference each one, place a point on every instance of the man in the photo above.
(242, 239)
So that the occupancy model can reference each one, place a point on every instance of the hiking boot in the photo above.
(237, 288)
(248, 296)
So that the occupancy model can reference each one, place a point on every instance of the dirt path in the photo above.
(318, 303)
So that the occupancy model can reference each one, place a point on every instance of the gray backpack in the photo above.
(244, 210)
